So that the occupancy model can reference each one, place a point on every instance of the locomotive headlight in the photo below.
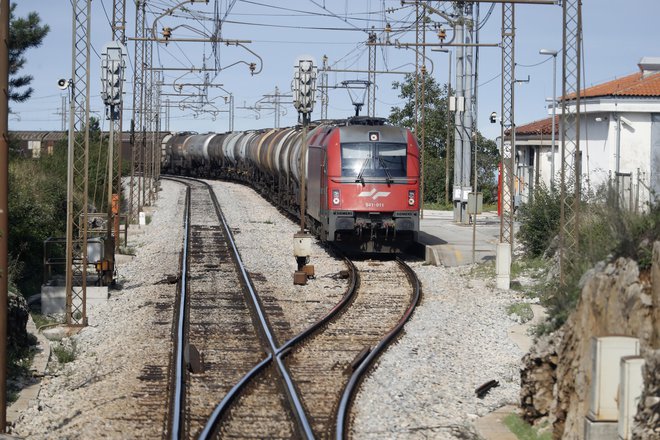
(411, 198)
(335, 197)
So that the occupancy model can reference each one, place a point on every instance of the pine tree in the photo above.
(24, 33)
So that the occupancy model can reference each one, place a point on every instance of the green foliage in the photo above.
(37, 204)
(24, 33)
(606, 231)
(522, 310)
(524, 431)
(438, 132)
(435, 131)
(65, 354)
(539, 221)
(43, 320)
(37, 210)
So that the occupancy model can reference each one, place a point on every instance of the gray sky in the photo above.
(616, 35)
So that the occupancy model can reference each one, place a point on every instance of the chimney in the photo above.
(649, 66)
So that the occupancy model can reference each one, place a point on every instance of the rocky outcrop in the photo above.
(615, 300)
(647, 420)
(538, 377)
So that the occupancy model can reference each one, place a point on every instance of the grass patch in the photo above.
(64, 354)
(43, 320)
(522, 310)
(483, 270)
(522, 430)
(435, 206)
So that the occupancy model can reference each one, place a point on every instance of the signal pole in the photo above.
(112, 79)
(304, 90)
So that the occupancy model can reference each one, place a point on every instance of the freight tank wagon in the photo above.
(362, 176)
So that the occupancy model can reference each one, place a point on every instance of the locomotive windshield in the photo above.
(371, 159)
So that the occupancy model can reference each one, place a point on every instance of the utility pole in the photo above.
(448, 134)
(459, 31)
(4, 197)
(63, 112)
(77, 173)
(507, 147)
(420, 93)
(137, 146)
(571, 165)
(118, 35)
(466, 161)
(324, 88)
(371, 91)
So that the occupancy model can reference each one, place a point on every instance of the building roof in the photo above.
(639, 84)
(540, 127)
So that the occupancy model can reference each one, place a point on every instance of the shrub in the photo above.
(539, 221)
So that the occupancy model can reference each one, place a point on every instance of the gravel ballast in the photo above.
(423, 386)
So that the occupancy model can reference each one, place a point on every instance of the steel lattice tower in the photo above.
(571, 166)
(137, 146)
(148, 188)
(77, 174)
(421, 102)
(118, 34)
(371, 91)
(508, 125)
(323, 89)
(157, 152)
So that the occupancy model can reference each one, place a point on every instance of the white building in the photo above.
(619, 139)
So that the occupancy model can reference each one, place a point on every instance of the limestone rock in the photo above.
(647, 420)
(537, 378)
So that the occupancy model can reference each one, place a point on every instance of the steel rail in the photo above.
(282, 351)
(179, 391)
(350, 293)
(211, 426)
(291, 391)
(351, 386)
(265, 330)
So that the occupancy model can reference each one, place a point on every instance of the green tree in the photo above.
(435, 139)
(24, 33)
(435, 131)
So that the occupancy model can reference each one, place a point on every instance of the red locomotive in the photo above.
(362, 176)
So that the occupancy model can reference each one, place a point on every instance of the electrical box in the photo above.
(95, 250)
(302, 245)
(630, 390)
(475, 203)
(606, 354)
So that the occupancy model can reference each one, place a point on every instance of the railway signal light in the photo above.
(304, 85)
(112, 73)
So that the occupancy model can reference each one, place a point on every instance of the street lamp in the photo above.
(553, 54)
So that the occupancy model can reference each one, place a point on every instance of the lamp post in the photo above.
(553, 54)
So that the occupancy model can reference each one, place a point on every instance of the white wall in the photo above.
(598, 145)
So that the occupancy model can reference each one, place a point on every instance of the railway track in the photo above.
(299, 389)
(325, 364)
